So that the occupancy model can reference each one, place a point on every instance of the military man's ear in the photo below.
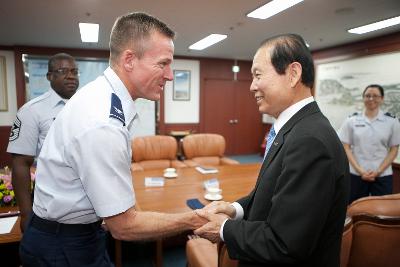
(128, 57)
(48, 76)
(295, 70)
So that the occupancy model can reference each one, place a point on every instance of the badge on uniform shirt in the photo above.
(15, 129)
(116, 110)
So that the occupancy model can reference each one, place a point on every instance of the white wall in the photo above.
(7, 117)
(145, 124)
(184, 111)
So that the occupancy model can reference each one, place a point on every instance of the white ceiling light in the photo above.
(89, 32)
(376, 26)
(208, 41)
(272, 8)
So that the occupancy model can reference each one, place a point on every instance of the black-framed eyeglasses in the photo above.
(66, 71)
(372, 96)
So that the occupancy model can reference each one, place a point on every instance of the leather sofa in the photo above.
(205, 150)
(154, 152)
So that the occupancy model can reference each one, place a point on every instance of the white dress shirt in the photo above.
(83, 171)
(33, 122)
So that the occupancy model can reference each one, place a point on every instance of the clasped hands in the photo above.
(369, 176)
(215, 213)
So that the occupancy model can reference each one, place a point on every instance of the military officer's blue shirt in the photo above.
(32, 123)
(370, 140)
(83, 171)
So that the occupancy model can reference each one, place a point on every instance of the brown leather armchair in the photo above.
(375, 232)
(205, 150)
(154, 152)
(375, 241)
(388, 205)
(347, 238)
(202, 253)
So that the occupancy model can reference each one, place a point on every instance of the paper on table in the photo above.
(6, 224)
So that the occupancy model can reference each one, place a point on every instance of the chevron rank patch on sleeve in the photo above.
(15, 129)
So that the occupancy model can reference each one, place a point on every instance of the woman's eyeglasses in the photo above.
(372, 96)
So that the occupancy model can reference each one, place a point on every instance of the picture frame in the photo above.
(181, 85)
(3, 85)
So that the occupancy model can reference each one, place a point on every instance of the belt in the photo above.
(54, 227)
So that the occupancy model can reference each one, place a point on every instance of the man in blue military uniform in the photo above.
(32, 123)
(83, 173)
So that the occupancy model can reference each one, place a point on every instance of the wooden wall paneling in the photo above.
(218, 74)
(5, 158)
(248, 127)
(219, 110)
(383, 44)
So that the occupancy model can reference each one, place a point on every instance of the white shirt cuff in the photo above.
(238, 216)
(239, 211)
(221, 230)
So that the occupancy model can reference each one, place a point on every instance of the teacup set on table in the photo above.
(170, 173)
(213, 193)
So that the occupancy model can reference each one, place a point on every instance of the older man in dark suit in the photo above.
(295, 214)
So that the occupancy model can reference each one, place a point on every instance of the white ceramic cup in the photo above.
(170, 171)
(214, 191)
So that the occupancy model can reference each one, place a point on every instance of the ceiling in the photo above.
(323, 23)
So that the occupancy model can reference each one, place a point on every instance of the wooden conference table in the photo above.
(15, 234)
(235, 181)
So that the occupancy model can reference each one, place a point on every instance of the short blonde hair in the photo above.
(131, 30)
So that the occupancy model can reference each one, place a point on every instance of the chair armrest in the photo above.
(223, 257)
(228, 161)
(178, 164)
(190, 163)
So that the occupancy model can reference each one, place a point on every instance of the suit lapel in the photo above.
(280, 138)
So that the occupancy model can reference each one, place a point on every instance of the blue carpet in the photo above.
(252, 158)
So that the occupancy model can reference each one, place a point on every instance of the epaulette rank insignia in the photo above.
(354, 114)
(116, 110)
(390, 115)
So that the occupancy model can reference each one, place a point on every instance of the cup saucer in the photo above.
(213, 197)
(170, 175)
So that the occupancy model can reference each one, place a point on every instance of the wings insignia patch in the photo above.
(116, 110)
(15, 129)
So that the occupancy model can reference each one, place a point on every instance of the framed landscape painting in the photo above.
(181, 86)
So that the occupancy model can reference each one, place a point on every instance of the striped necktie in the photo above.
(270, 139)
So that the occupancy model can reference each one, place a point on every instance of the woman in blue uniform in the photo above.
(371, 140)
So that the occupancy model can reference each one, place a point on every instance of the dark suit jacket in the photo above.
(295, 214)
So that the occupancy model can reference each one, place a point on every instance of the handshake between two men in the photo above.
(215, 214)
